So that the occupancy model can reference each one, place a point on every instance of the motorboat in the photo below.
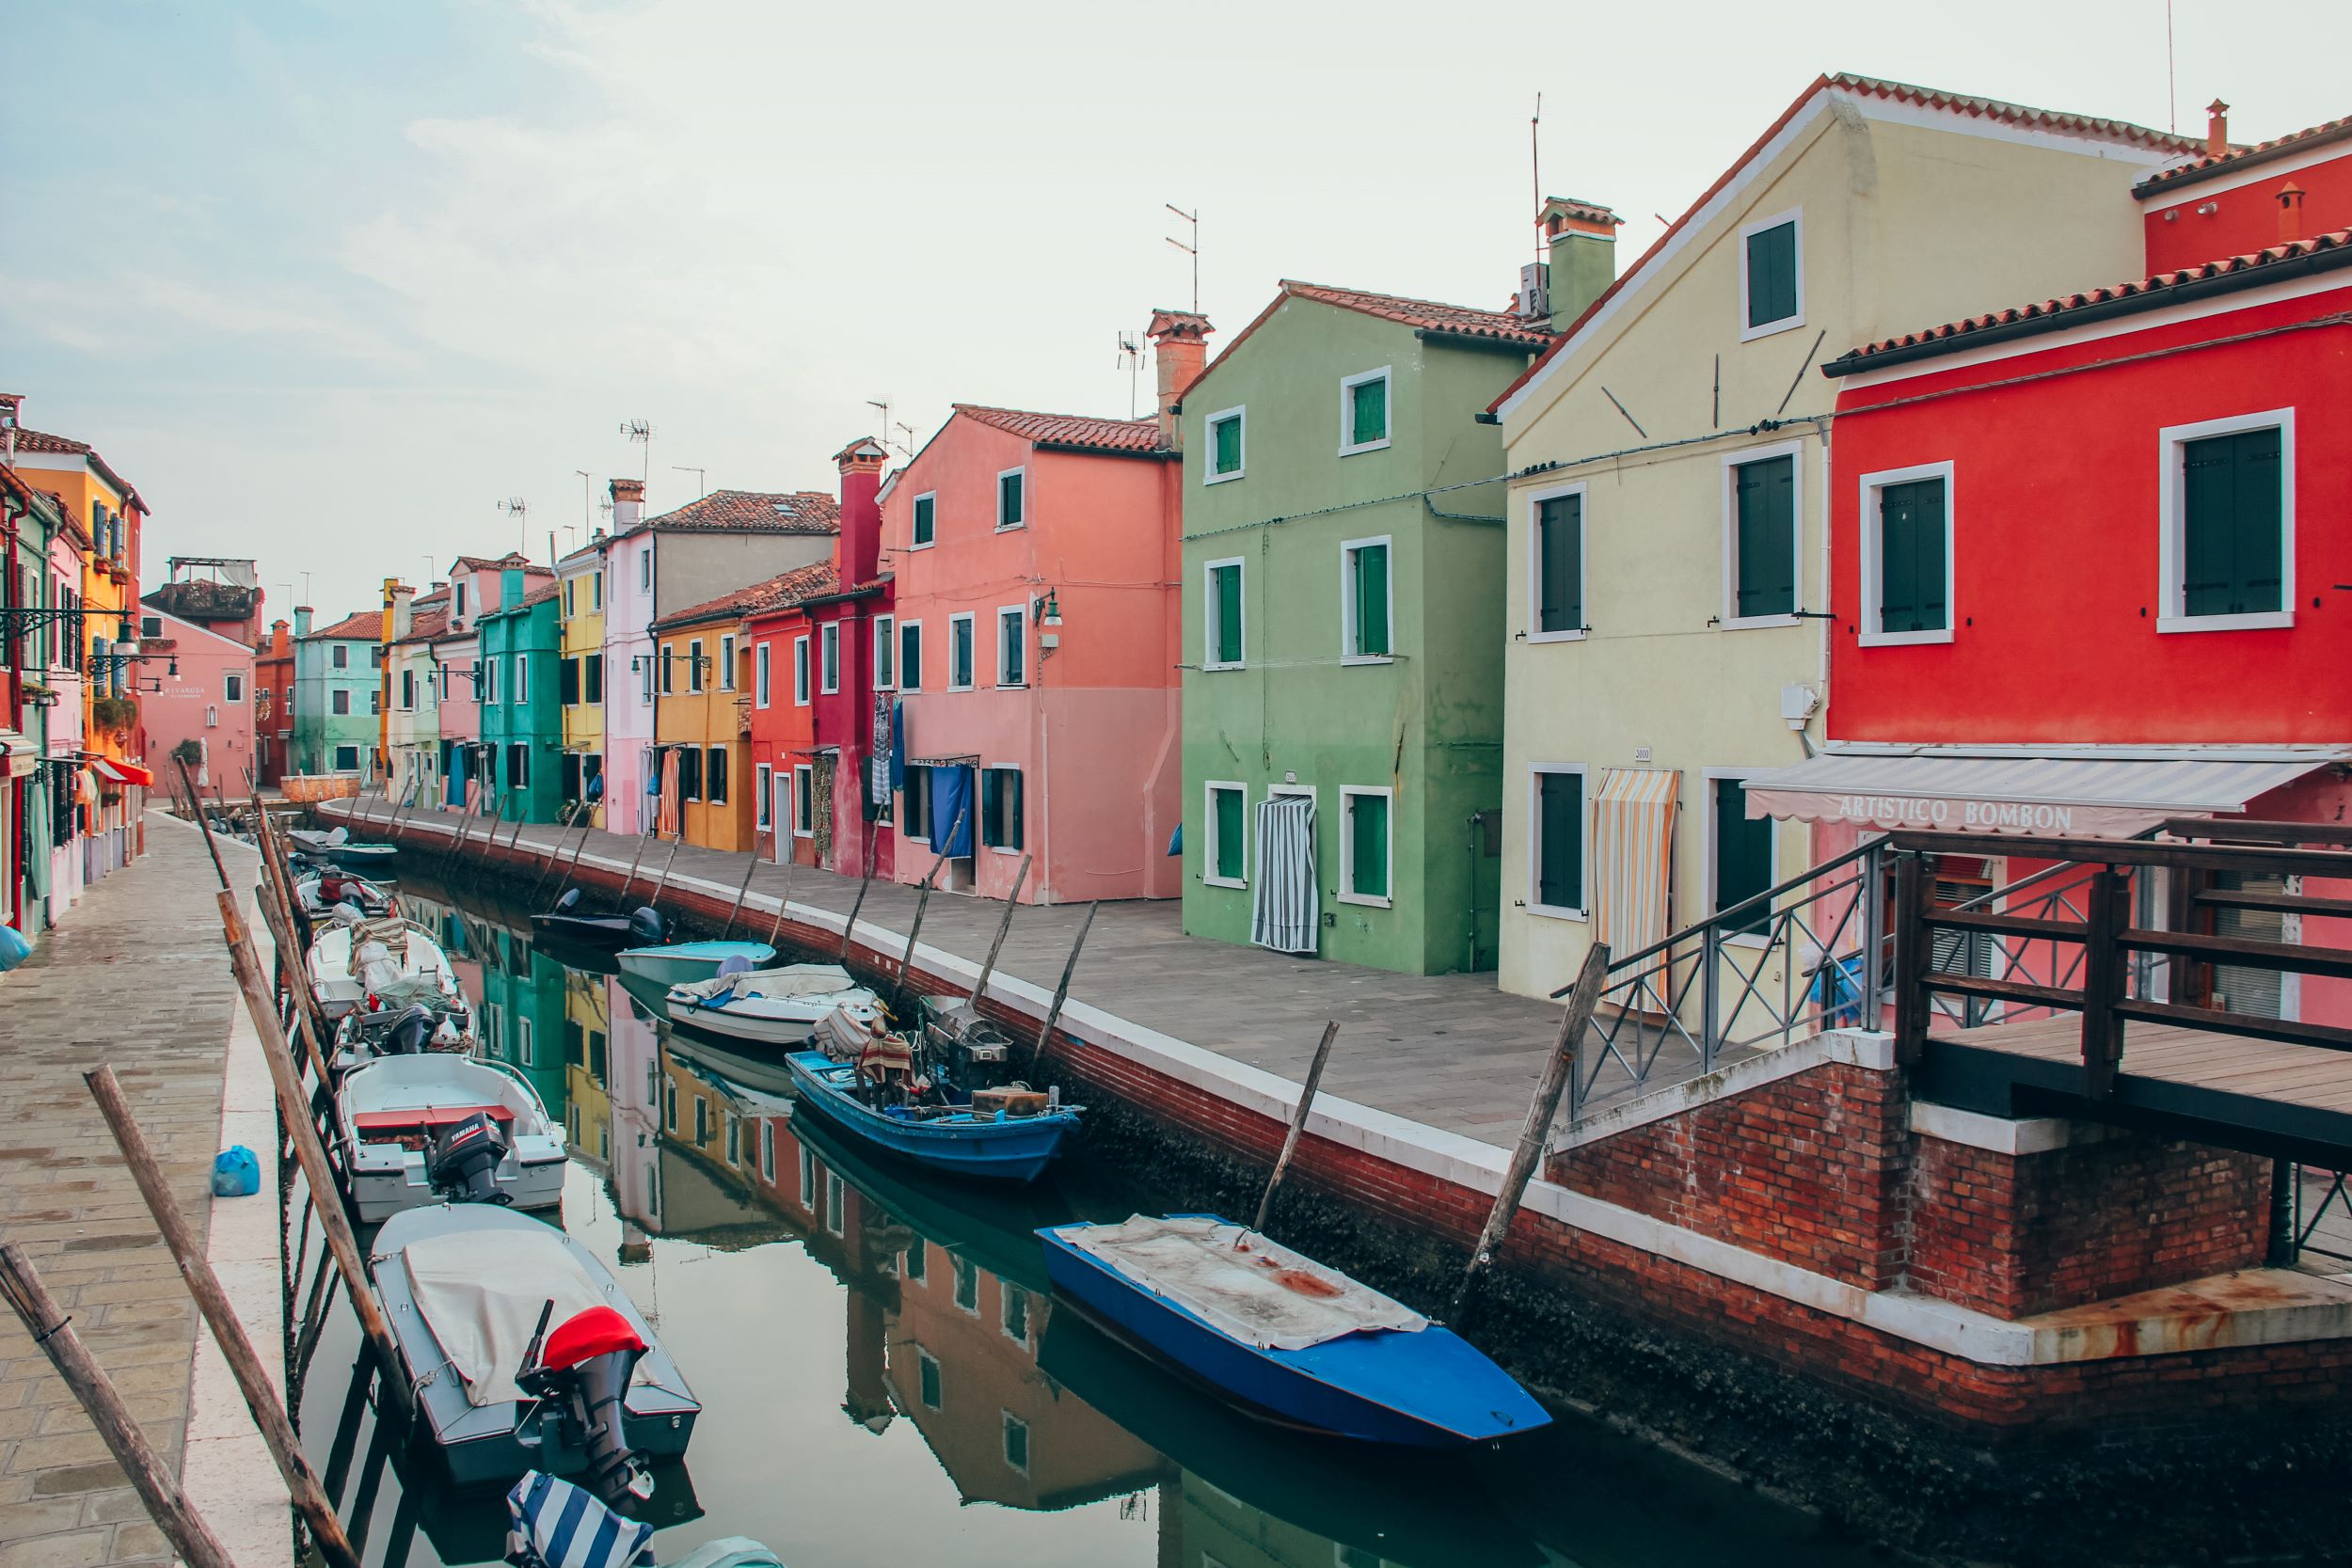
(384, 965)
(757, 1078)
(568, 923)
(683, 963)
(1282, 1336)
(362, 1037)
(336, 845)
(523, 1353)
(773, 1006)
(396, 1121)
(321, 889)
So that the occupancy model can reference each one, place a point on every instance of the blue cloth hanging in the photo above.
(1176, 842)
(951, 810)
(898, 746)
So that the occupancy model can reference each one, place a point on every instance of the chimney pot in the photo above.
(1179, 346)
(628, 503)
(2216, 129)
(2290, 212)
(1580, 239)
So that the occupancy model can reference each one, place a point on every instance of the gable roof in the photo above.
(1421, 315)
(426, 625)
(538, 594)
(364, 626)
(66, 446)
(784, 588)
(2294, 257)
(2088, 127)
(2237, 158)
(1070, 432)
(752, 512)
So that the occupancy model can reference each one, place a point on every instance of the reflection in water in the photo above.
(879, 1353)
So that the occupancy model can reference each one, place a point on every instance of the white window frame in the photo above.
(829, 658)
(1002, 526)
(2172, 523)
(1208, 613)
(1749, 334)
(407, 692)
(1348, 448)
(968, 619)
(804, 809)
(1029, 1437)
(763, 673)
(1536, 499)
(1347, 600)
(1239, 413)
(768, 1150)
(644, 663)
(595, 592)
(1870, 634)
(570, 598)
(899, 666)
(1794, 452)
(693, 666)
(522, 680)
(1347, 845)
(799, 671)
(526, 1048)
(1020, 613)
(1208, 832)
(1708, 852)
(1535, 839)
(915, 505)
(885, 652)
(645, 569)
(726, 662)
(763, 777)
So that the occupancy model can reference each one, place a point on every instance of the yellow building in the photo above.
(1667, 616)
(582, 573)
(587, 1071)
(702, 719)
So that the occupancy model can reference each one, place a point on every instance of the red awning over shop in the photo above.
(131, 772)
(111, 772)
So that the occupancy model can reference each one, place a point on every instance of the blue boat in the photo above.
(1283, 1336)
(954, 1138)
(682, 963)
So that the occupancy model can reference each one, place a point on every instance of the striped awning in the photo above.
(1633, 819)
(2089, 792)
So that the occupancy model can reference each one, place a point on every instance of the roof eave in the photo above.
(1485, 342)
(2156, 185)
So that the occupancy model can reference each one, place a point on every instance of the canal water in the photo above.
(887, 1380)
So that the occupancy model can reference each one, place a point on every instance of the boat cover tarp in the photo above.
(481, 1292)
(766, 984)
(1262, 1294)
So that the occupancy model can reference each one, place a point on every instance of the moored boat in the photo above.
(683, 963)
(322, 889)
(396, 1119)
(773, 1006)
(336, 845)
(1012, 1140)
(640, 927)
(381, 966)
(1282, 1336)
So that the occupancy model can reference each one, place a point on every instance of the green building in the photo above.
(523, 995)
(1343, 631)
(522, 710)
(338, 697)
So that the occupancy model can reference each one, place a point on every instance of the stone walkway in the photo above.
(135, 976)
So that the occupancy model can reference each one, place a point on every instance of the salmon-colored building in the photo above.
(1037, 566)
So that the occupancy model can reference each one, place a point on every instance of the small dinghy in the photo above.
(336, 845)
(773, 1006)
(320, 891)
(1282, 1336)
(362, 965)
(684, 963)
(640, 927)
(463, 1286)
(415, 1129)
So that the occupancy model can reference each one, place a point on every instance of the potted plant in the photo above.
(115, 715)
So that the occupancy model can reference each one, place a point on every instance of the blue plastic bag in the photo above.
(236, 1173)
(14, 949)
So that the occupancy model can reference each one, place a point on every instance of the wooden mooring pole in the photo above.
(185, 1528)
(621, 898)
(1299, 1123)
(261, 1398)
(1540, 1112)
(850, 926)
(1061, 993)
(922, 900)
(784, 902)
(751, 863)
(652, 899)
(1004, 924)
(571, 868)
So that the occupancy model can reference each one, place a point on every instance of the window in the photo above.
(486, 680)
(799, 671)
(1222, 628)
(568, 682)
(571, 606)
(669, 653)
(911, 656)
(836, 1203)
(735, 1138)
(519, 766)
(1000, 808)
(967, 1274)
(339, 655)
(917, 1265)
(645, 569)
(886, 647)
(1224, 853)
(1364, 411)
(959, 653)
(695, 665)
(760, 674)
(459, 590)
(927, 1382)
(1227, 431)
(1016, 1441)
(1771, 277)
(591, 683)
(522, 678)
(1907, 555)
(808, 1178)
(1013, 1315)
(726, 664)
(716, 776)
(917, 824)
(768, 1150)
(926, 520)
(232, 686)
(804, 802)
(644, 664)
(829, 658)
(407, 691)
(2228, 546)
(1760, 500)
(1556, 573)
(1366, 614)
(1012, 498)
(690, 772)
(1741, 857)
(1012, 639)
(338, 701)
(1364, 846)
(526, 1053)
(375, 700)
(1558, 841)
(762, 784)
(596, 591)
(151, 626)
(347, 759)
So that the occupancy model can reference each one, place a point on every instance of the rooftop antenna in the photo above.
(1536, 167)
(1131, 349)
(641, 432)
(587, 494)
(882, 405)
(305, 588)
(700, 489)
(518, 509)
(430, 569)
(2171, 84)
(906, 446)
(1192, 250)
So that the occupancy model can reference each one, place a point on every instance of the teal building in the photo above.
(522, 709)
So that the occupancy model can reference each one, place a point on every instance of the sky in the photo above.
(329, 282)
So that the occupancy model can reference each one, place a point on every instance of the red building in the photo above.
(272, 700)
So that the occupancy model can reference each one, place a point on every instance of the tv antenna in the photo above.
(1536, 168)
(587, 492)
(906, 446)
(1192, 250)
(641, 432)
(881, 406)
(1131, 350)
(518, 509)
(700, 487)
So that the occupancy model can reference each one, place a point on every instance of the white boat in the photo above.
(683, 963)
(321, 891)
(382, 966)
(774, 1006)
(336, 845)
(389, 1112)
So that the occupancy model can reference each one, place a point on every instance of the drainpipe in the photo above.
(1472, 902)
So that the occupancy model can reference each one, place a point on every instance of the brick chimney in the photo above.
(628, 504)
(510, 584)
(1179, 346)
(1580, 239)
(11, 409)
(2290, 212)
(2216, 129)
(302, 620)
(857, 554)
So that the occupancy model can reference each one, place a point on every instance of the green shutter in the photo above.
(1372, 599)
(1560, 562)
(1743, 856)
(1230, 843)
(1559, 839)
(2235, 540)
(1912, 589)
(1227, 582)
(1368, 849)
(1228, 444)
(1008, 500)
(1368, 407)
(925, 518)
(1773, 275)
(1767, 537)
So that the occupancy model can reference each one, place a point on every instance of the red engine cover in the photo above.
(584, 1336)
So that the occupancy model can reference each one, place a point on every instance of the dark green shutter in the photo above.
(1369, 407)
(1773, 275)
(1228, 445)
(1912, 589)
(1372, 599)
(925, 518)
(1228, 833)
(1743, 856)
(2235, 540)
(1228, 614)
(1560, 550)
(1767, 539)
(1368, 852)
(1559, 839)
(1008, 500)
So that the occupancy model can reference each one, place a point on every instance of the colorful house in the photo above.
(477, 586)
(657, 567)
(1667, 628)
(1342, 626)
(1036, 561)
(788, 803)
(273, 701)
(200, 688)
(522, 711)
(412, 729)
(705, 670)
(337, 694)
(39, 702)
(580, 678)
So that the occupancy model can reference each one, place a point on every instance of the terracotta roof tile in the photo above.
(1425, 315)
(1957, 335)
(784, 588)
(2237, 157)
(66, 446)
(1083, 432)
(498, 562)
(753, 512)
(426, 625)
(365, 626)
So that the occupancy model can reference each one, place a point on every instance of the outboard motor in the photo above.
(464, 1166)
(568, 902)
(410, 1032)
(586, 1364)
(645, 925)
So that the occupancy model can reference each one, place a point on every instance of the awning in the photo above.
(2067, 791)
(1633, 822)
(110, 772)
(19, 755)
(133, 773)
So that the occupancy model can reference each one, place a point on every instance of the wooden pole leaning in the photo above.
(1536, 1134)
(784, 902)
(652, 899)
(278, 913)
(1004, 924)
(38, 1310)
(621, 898)
(555, 851)
(1062, 992)
(751, 863)
(261, 1398)
(571, 868)
(457, 838)
(490, 836)
(858, 906)
(922, 900)
(1298, 1124)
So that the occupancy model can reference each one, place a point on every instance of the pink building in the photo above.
(1037, 566)
(206, 696)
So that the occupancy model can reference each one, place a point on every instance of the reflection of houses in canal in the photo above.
(455, 931)
(587, 1065)
(523, 1010)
